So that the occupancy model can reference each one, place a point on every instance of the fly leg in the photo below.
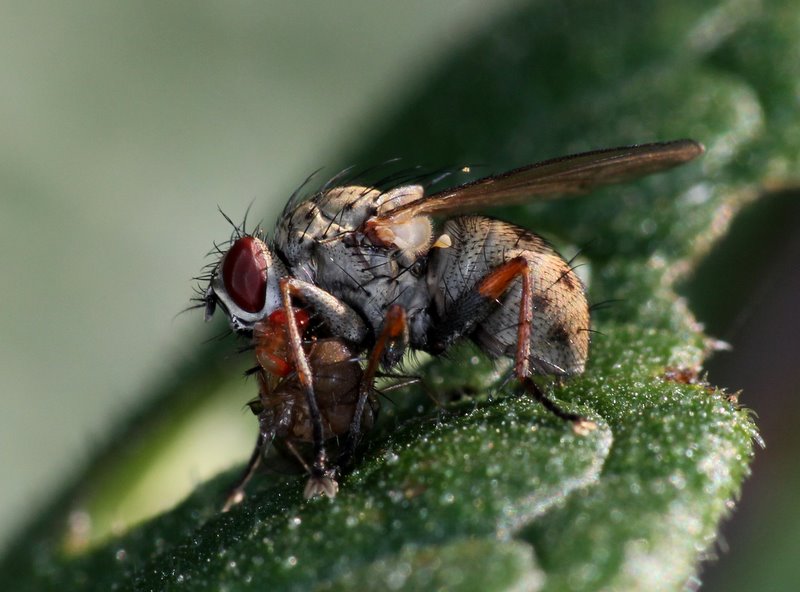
(319, 468)
(477, 304)
(494, 286)
(343, 321)
(268, 425)
(389, 349)
(313, 487)
(236, 492)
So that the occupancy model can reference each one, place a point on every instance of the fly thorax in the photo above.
(323, 219)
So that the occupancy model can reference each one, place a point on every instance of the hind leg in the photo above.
(474, 307)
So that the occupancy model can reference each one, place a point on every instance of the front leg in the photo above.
(268, 426)
(338, 316)
(342, 321)
(236, 491)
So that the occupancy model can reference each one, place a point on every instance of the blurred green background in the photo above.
(124, 126)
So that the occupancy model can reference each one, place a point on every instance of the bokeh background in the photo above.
(125, 126)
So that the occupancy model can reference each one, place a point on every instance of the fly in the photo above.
(379, 280)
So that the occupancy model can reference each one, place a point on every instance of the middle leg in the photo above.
(389, 348)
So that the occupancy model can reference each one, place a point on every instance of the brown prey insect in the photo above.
(378, 280)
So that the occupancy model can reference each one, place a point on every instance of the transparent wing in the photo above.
(549, 179)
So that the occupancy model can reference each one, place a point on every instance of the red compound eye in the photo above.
(244, 273)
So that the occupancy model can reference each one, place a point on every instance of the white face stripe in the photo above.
(272, 302)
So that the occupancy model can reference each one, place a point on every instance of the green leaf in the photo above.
(493, 493)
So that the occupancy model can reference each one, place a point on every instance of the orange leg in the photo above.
(493, 286)
(391, 344)
(342, 321)
(319, 468)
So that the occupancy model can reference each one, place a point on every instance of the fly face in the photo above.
(245, 283)
(364, 262)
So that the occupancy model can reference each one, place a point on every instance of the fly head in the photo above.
(244, 283)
